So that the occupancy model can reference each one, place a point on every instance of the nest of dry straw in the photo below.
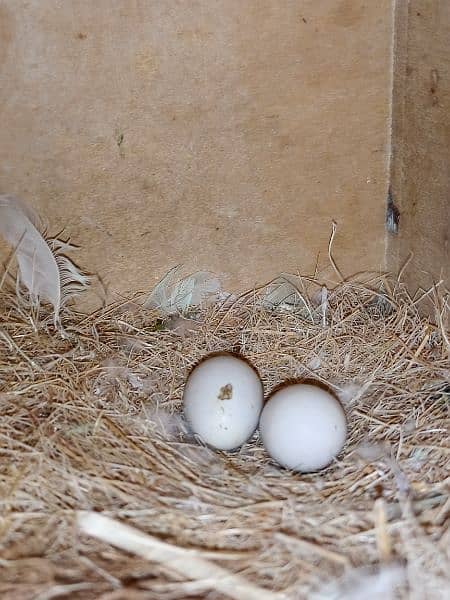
(91, 421)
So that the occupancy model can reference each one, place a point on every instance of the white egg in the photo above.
(223, 398)
(303, 427)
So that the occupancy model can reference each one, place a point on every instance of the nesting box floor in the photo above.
(92, 421)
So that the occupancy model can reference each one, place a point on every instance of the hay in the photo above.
(90, 421)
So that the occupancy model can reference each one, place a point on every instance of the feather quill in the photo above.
(43, 269)
(173, 295)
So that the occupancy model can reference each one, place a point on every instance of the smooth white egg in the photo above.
(303, 427)
(223, 399)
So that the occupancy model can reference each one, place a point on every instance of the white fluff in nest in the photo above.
(382, 451)
(112, 371)
(140, 383)
(314, 363)
(172, 427)
(283, 293)
(174, 295)
(203, 458)
(169, 425)
(361, 584)
(373, 451)
(133, 345)
(349, 393)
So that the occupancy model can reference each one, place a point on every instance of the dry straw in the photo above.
(105, 494)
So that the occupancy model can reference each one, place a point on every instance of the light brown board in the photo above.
(225, 135)
(421, 143)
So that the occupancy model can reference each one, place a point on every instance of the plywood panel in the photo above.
(223, 134)
(421, 142)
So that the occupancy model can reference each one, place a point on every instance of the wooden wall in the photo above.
(223, 134)
(421, 143)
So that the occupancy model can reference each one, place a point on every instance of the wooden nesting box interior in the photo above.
(247, 139)
(229, 135)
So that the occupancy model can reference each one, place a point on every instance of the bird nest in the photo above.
(106, 494)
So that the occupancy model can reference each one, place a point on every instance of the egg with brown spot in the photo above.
(223, 398)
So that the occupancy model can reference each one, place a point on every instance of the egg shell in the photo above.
(303, 427)
(223, 399)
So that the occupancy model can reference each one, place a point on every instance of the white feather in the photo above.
(159, 297)
(361, 584)
(173, 295)
(284, 294)
(281, 293)
(43, 269)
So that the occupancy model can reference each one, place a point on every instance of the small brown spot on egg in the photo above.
(378, 489)
(226, 392)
